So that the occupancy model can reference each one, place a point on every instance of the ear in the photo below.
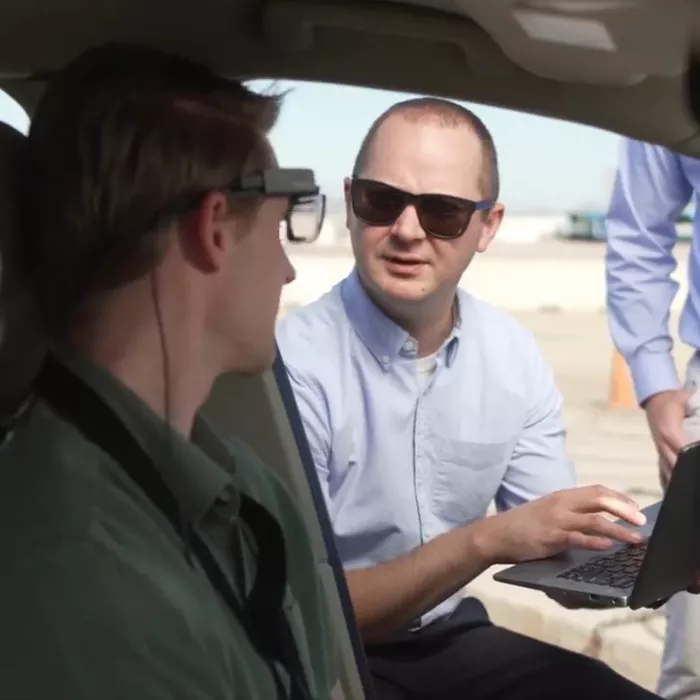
(348, 201)
(206, 233)
(490, 227)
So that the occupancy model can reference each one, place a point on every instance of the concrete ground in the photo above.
(608, 447)
(559, 275)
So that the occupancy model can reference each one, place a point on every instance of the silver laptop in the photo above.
(633, 576)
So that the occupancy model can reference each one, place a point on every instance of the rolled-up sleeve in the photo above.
(650, 192)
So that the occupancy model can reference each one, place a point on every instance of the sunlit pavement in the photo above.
(548, 275)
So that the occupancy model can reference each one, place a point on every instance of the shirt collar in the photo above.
(383, 338)
(197, 471)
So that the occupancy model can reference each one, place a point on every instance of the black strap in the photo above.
(261, 613)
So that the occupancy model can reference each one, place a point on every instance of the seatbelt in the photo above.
(261, 613)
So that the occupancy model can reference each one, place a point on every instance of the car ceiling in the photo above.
(615, 64)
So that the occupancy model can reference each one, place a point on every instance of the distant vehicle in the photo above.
(590, 226)
(583, 226)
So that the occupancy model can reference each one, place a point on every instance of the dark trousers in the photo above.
(485, 662)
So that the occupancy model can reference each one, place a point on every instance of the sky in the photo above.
(546, 165)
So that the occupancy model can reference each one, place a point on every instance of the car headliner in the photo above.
(583, 60)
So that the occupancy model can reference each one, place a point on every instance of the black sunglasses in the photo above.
(440, 215)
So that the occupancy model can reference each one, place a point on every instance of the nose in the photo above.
(407, 226)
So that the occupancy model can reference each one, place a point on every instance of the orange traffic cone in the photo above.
(621, 389)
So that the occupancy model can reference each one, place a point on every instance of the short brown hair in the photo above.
(449, 114)
(121, 133)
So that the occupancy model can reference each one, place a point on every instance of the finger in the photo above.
(599, 526)
(579, 540)
(599, 499)
(673, 442)
(587, 494)
(664, 471)
(686, 394)
(668, 457)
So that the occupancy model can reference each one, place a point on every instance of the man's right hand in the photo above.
(666, 412)
(573, 518)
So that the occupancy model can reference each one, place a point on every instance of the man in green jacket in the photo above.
(151, 211)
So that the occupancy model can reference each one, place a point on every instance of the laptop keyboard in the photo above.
(618, 570)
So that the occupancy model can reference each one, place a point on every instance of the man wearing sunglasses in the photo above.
(423, 404)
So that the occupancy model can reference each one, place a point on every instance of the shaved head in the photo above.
(449, 115)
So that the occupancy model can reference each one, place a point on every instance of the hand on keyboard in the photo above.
(548, 526)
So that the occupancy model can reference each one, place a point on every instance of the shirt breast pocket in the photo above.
(466, 478)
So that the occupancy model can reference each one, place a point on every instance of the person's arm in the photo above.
(539, 464)
(79, 622)
(650, 191)
(389, 596)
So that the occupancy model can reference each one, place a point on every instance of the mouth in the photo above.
(408, 261)
(404, 265)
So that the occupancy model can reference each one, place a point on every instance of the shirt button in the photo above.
(409, 345)
(386, 359)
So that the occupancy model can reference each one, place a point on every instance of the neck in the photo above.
(430, 330)
(430, 323)
(169, 374)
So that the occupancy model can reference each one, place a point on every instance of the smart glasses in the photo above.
(441, 216)
(307, 207)
(303, 220)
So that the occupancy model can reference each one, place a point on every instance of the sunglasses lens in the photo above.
(375, 203)
(444, 217)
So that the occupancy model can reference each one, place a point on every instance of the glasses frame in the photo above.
(414, 199)
(299, 184)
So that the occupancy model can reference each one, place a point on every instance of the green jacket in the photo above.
(98, 600)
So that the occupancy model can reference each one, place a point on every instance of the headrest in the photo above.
(22, 341)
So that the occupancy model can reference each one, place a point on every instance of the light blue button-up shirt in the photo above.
(401, 462)
(652, 188)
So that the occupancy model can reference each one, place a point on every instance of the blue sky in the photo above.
(546, 165)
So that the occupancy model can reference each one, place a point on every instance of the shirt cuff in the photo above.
(653, 373)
